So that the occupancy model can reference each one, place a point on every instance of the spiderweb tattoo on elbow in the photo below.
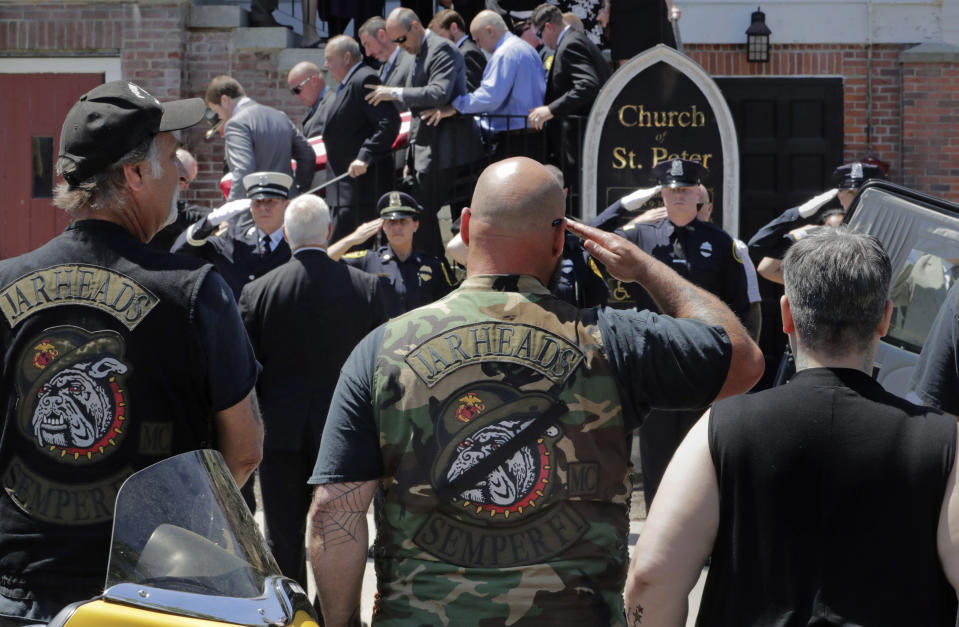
(339, 515)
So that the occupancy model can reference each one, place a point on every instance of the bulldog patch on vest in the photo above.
(72, 394)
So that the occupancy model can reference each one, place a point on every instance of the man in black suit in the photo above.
(303, 319)
(241, 251)
(307, 84)
(572, 82)
(358, 138)
(450, 25)
(435, 152)
(396, 63)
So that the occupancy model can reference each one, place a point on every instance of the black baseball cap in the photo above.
(114, 118)
(393, 205)
(679, 173)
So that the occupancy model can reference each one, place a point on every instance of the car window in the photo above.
(921, 236)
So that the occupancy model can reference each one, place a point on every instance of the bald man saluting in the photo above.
(496, 421)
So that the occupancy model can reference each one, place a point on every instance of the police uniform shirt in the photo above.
(238, 253)
(417, 281)
(656, 361)
(700, 252)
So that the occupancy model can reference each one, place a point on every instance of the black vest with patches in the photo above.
(102, 376)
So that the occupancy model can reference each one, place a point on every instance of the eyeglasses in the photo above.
(402, 38)
(539, 32)
(296, 90)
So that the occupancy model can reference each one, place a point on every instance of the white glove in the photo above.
(228, 210)
(636, 199)
(812, 205)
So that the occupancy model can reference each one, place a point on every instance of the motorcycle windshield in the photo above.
(182, 525)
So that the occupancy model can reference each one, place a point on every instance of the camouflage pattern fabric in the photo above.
(539, 539)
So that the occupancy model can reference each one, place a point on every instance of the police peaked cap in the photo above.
(679, 173)
(112, 119)
(393, 205)
(267, 185)
(853, 175)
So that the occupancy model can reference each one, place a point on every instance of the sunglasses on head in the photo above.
(296, 90)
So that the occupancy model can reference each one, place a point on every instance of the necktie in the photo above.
(384, 70)
(265, 245)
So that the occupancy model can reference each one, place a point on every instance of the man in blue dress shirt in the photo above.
(514, 82)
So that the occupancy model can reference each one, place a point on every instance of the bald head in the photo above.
(188, 167)
(489, 18)
(517, 195)
(515, 223)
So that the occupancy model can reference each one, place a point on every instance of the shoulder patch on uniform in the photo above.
(356, 254)
(74, 284)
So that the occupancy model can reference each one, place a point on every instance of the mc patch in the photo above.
(71, 389)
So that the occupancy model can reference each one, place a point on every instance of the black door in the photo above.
(790, 140)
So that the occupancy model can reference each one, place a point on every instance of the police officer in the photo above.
(705, 255)
(242, 251)
(771, 242)
(115, 356)
(414, 278)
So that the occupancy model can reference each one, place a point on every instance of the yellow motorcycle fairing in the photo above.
(100, 613)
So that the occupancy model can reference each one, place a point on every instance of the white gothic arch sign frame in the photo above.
(724, 120)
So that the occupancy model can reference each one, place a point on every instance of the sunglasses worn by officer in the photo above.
(402, 38)
(296, 90)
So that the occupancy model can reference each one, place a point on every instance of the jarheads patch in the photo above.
(71, 393)
(504, 516)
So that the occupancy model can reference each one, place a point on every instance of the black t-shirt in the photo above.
(658, 361)
(936, 379)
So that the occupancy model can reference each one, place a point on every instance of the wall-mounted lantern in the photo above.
(757, 39)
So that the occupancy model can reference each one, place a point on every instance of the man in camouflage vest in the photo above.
(496, 421)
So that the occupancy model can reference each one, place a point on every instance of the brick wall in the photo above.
(931, 128)
(851, 62)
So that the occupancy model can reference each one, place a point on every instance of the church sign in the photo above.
(660, 105)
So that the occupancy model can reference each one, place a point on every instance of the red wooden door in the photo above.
(32, 107)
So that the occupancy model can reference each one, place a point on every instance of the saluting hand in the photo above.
(620, 256)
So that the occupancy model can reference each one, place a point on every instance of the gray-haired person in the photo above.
(824, 501)
(115, 355)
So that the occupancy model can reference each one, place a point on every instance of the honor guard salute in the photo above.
(242, 251)
(496, 423)
(771, 242)
(705, 255)
(115, 356)
(413, 278)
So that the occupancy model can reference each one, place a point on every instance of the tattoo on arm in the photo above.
(339, 514)
(637, 616)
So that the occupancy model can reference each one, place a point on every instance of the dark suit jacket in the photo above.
(313, 122)
(475, 63)
(303, 319)
(438, 76)
(400, 70)
(236, 254)
(577, 73)
(355, 129)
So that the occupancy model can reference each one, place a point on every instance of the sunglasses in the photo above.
(557, 221)
(539, 32)
(402, 38)
(296, 90)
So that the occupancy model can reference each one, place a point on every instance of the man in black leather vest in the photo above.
(826, 501)
(115, 355)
